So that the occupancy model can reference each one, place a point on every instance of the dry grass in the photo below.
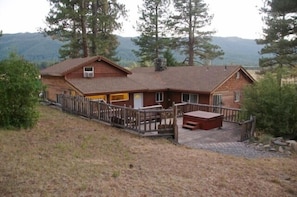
(66, 155)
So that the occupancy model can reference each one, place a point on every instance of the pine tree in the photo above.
(168, 55)
(187, 24)
(280, 34)
(152, 26)
(86, 26)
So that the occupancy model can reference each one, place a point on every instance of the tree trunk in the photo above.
(191, 37)
(95, 6)
(156, 32)
(83, 29)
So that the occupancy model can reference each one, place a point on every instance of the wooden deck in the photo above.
(230, 132)
(154, 122)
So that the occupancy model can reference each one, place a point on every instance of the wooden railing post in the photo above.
(253, 126)
(175, 127)
(138, 121)
(125, 115)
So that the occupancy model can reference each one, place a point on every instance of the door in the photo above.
(138, 100)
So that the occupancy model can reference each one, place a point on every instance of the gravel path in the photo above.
(239, 149)
(224, 140)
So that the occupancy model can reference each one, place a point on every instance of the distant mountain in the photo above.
(32, 46)
(37, 48)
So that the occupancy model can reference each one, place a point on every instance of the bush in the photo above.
(19, 90)
(274, 105)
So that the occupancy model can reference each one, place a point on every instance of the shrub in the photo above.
(19, 90)
(274, 105)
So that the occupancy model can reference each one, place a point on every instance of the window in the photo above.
(89, 71)
(72, 92)
(191, 98)
(217, 99)
(159, 97)
(119, 97)
(97, 97)
(236, 96)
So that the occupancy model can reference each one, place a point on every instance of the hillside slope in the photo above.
(65, 155)
(37, 48)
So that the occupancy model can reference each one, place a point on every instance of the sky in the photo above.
(238, 18)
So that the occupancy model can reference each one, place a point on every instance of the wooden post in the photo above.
(98, 108)
(253, 126)
(175, 127)
(90, 110)
(138, 121)
(125, 115)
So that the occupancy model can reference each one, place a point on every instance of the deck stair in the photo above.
(191, 125)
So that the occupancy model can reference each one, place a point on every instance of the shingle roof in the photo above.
(186, 78)
(106, 85)
(68, 65)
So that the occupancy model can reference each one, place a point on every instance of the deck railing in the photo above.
(230, 114)
(152, 120)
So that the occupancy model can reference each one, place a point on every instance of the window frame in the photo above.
(217, 99)
(159, 97)
(98, 97)
(190, 96)
(125, 97)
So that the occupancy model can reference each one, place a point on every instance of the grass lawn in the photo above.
(65, 155)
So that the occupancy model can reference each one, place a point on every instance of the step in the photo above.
(192, 127)
(192, 123)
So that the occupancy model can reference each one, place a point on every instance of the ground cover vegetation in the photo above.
(66, 155)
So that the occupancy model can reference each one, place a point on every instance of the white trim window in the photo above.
(159, 97)
(191, 98)
(89, 71)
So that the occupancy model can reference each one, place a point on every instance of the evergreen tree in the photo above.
(152, 26)
(279, 34)
(187, 23)
(171, 61)
(86, 26)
